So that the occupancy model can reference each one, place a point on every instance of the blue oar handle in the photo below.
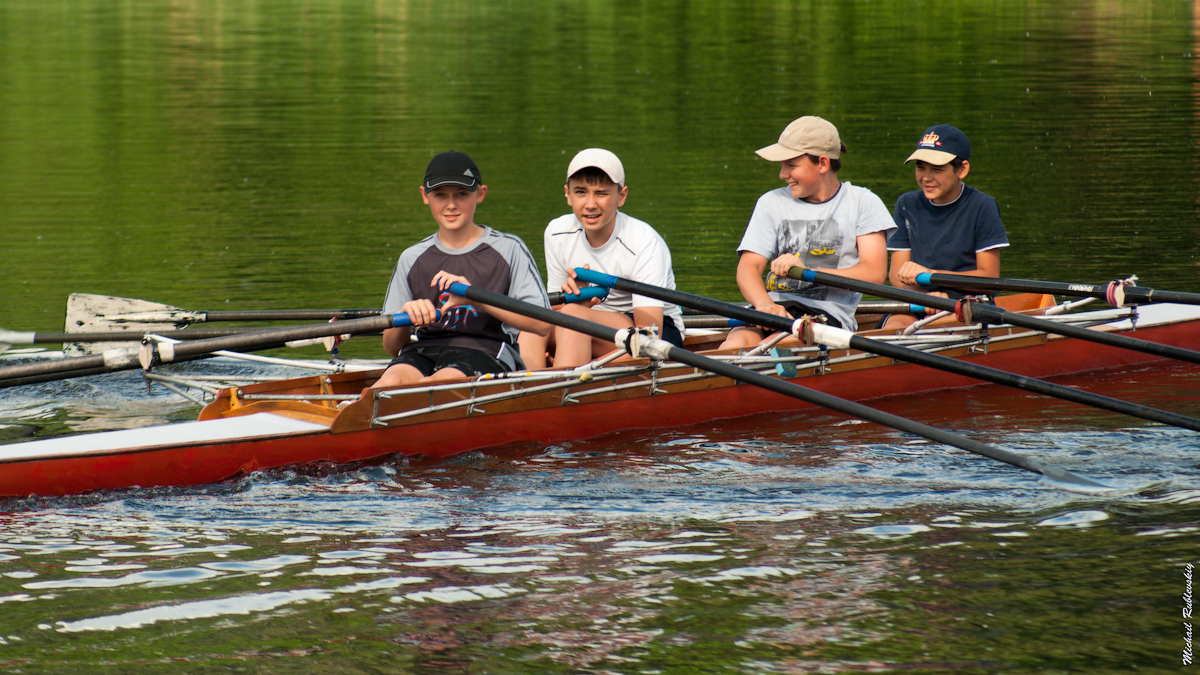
(811, 277)
(585, 293)
(923, 279)
(402, 320)
(594, 277)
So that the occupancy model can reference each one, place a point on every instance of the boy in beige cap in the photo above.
(815, 221)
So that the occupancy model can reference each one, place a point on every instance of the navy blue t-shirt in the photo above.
(947, 237)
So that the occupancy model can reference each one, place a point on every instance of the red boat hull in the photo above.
(212, 462)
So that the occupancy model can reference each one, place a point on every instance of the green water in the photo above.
(218, 155)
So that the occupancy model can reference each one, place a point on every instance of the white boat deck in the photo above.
(245, 428)
(1160, 313)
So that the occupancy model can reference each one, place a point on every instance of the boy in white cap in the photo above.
(815, 221)
(946, 226)
(596, 235)
(468, 339)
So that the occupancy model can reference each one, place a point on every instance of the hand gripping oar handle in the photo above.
(643, 345)
(1115, 293)
(151, 352)
(843, 339)
(586, 293)
(979, 312)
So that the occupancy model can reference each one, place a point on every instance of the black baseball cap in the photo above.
(452, 168)
(940, 144)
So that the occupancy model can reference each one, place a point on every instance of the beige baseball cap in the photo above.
(808, 135)
(601, 159)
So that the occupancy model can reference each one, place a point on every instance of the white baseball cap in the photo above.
(601, 159)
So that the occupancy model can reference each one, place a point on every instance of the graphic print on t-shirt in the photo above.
(818, 242)
(455, 319)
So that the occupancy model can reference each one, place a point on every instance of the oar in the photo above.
(708, 321)
(1116, 293)
(9, 338)
(151, 353)
(887, 307)
(980, 312)
(88, 309)
(864, 307)
(85, 309)
(642, 345)
(843, 339)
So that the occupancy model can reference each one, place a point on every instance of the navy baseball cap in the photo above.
(940, 144)
(452, 168)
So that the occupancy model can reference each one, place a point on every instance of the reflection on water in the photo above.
(801, 543)
(390, 574)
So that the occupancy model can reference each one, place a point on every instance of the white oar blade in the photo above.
(88, 312)
(8, 338)
(1058, 477)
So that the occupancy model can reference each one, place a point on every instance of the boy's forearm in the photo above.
(874, 274)
(646, 316)
(750, 282)
(518, 321)
(394, 339)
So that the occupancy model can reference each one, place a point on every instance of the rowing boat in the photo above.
(335, 418)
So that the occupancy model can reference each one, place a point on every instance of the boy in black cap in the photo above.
(945, 227)
(468, 339)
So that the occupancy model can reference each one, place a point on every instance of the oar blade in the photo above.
(87, 312)
(1058, 477)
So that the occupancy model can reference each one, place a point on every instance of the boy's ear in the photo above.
(424, 197)
(479, 194)
(622, 195)
(964, 169)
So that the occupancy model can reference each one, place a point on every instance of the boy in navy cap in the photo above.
(945, 227)
(468, 339)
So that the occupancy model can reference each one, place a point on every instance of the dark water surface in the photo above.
(217, 155)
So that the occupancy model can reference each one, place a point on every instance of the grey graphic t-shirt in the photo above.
(823, 236)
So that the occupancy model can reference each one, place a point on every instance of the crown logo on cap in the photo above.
(930, 140)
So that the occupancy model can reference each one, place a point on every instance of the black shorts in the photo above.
(432, 358)
(797, 310)
(669, 332)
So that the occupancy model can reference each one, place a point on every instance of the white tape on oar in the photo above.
(8, 338)
(120, 357)
(838, 338)
(13, 337)
(640, 344)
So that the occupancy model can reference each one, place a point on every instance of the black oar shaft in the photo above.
(136, 336)
(1134, 295)
(852, 408)
(776, 385)
(986, 313)
(187, 316)
(901, 353)
(1021, 382)
(127, 360)
(288, 314)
